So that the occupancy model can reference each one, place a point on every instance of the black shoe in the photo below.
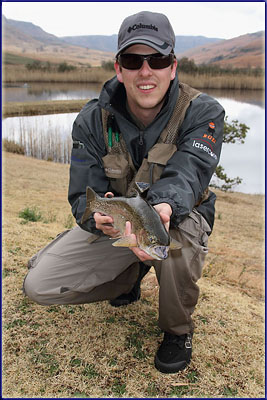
(134, 295)
(174, 353)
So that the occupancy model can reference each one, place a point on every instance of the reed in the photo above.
(13, 74)
(42, 143)
(227, 81)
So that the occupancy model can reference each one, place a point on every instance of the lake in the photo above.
(244, 160)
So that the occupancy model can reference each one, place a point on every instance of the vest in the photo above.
(118, 164)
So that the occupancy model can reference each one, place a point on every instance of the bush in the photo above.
(108, 65)
(12, 147)
(64, 67)
(189, 67)
(30, 214)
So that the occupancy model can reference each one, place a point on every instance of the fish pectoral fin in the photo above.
(175, 245)
(125, 241)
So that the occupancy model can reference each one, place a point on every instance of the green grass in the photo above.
(13, 59)
(30, 215)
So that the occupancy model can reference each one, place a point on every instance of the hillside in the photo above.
(109, 43)
(244, 51)
(28, 40)
(96, 351)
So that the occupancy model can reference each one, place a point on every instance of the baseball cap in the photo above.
(149, 28)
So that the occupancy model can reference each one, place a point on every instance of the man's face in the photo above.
(145, 87)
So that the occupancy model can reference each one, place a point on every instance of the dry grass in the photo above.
(16, 73)
(240, 82)
(95, 350)
(14, 109)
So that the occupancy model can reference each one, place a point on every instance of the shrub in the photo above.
(30, 214)
(64, 67)
(108, 65)
(12, 147)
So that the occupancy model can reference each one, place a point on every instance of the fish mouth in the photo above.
(160, 252)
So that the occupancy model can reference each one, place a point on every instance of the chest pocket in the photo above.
(152, 166)
(118, 170)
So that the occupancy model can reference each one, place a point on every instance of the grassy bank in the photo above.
(14, 109)
(94, 350)
(12, 74)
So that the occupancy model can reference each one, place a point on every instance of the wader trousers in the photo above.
(78, 267)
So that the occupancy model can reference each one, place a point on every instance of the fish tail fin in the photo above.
(91, 196)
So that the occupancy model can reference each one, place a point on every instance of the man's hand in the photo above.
(104, 222)
(165, 211)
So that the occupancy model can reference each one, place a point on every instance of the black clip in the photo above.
(78, 145)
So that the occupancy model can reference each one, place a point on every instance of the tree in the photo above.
(233, 132)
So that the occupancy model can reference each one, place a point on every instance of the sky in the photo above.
(223, 20)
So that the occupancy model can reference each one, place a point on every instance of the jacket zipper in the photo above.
(141, 138)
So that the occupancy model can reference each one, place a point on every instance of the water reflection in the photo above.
(75, 91)
(45, 137)
(246, 160)
(50, 91)
(243, 160)
(255, 97)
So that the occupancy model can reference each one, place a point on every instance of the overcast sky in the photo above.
(211, 19)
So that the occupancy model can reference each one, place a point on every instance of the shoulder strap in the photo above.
(186, 95)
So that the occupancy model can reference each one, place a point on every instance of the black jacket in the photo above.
(186, 174)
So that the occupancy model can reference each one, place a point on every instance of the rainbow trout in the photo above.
(151, 234)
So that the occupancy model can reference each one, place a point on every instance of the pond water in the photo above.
(246, 161)
(50, 91)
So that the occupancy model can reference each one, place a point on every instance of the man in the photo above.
(149, 132)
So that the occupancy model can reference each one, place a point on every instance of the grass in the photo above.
(94, 350)
(14, 59)
(12, 109)
(30, 214)
(14, 73)
(227, 81)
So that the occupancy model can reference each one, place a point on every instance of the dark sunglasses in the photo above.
(155, 61)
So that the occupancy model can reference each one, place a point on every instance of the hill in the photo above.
(29, 40)
(96, 351)
(243, 51)
(109, 43)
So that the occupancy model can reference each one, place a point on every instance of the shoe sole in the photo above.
(122, 302)
(170, 368)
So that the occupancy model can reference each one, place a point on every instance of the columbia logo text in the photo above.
(142, 26)
(113, 170)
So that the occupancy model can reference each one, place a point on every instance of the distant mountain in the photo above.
(243, 51)
(109, 43)
(27, 39)
(96, 42)
(29, 30)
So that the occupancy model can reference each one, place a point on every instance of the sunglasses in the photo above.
(155, 61)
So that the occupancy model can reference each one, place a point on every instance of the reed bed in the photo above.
(241, 82)
(12, 74)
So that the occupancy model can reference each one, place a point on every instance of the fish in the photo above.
(151, 234)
